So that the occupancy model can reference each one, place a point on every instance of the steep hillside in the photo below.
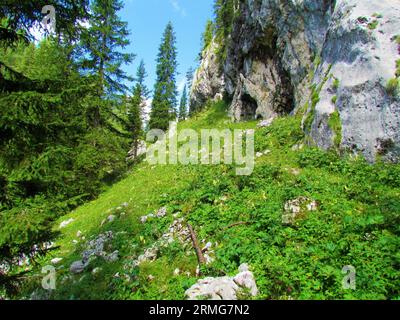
(347, 215)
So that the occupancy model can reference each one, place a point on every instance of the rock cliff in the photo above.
(333, 61)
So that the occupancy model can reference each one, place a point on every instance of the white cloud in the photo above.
(178, 8)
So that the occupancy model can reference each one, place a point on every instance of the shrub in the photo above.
(336, 126)
(314, 157)
(336, 84)
(392, 87)
(373, 25)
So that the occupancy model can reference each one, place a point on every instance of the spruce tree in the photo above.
(165, 91)
(189, 78)
(189, 81)
(207, 36)
(141, 75)
(106, 34)
(136, 105)
(183, 105)
(102, 42)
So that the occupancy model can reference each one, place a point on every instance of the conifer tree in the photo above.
(207, 36)
(189, 81)
(183, 105)
(165, 91)
(105, 35)
(103, 42)
(136, 105)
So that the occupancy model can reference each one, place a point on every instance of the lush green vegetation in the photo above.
(63, 150)
(66, 120)
(357, 223)
(135, 108)
(225, 15)
(336, 126)
(373, 25)
(207, 36)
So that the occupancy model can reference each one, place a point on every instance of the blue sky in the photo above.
(147, 20)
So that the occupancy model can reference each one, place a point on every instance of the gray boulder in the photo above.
(77, 267)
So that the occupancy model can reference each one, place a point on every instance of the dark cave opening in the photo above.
(249, 107)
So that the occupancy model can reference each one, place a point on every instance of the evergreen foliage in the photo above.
(207, 36)
(101, 41)
(136, 107)
(52, 157)
(165, 91)
(183, 105)
(225, 13)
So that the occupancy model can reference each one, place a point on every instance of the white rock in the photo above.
(111, 218)
(77, 267)
(56, 260)
(113, 256)
(161, 212)
(245, 279)
(206, 247)
(65, 223)
(265, 123)
(224, 288)
(244, 267)
(96, 270)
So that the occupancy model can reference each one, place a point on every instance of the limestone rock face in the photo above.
(361, 54)
(343, 52)
(208, 81)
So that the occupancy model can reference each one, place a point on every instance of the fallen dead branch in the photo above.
(199, 253)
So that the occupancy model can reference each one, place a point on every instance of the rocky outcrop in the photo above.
(329, 59)
(224, 288)
(208, 82)
(360, 54)
(95, 248)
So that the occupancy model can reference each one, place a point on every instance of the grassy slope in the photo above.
(357, 223)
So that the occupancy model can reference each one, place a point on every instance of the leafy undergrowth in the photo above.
(357, 223)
